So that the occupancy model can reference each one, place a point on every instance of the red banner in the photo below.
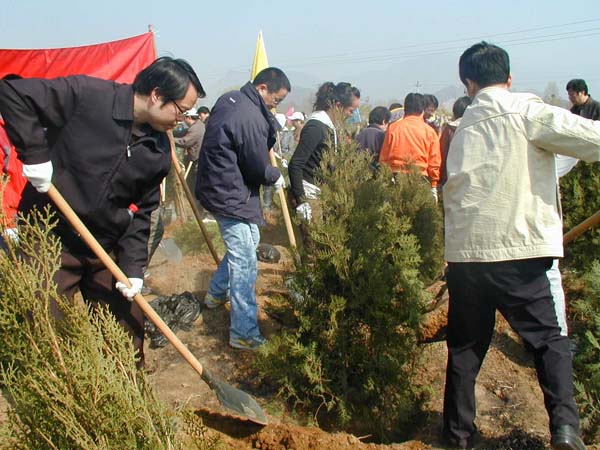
(117, 60)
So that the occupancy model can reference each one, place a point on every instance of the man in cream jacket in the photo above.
(503, 230)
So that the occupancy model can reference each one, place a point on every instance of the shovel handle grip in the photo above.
(116, 272)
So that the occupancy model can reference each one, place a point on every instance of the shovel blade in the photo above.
(170, 250)
(235, 399)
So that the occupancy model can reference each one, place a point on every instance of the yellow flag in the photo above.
(260, 57)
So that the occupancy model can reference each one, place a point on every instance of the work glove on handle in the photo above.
(129, 293)
(304, 211)
(280, 183)
(39, 175)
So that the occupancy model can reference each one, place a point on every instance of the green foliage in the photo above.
(190, 240)
(587, 359)
(358, 298)
(71, 383)
(579, 192)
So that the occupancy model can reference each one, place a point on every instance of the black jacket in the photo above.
(234, 159)
(371, 140)
(315, 138)
(589, 110)
(84, 126)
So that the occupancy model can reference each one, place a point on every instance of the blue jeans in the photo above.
(237, 273)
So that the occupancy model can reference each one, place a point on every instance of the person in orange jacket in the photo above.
(410, 142)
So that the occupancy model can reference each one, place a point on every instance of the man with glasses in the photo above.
(583, 103)
(233, 164)
(104, 146)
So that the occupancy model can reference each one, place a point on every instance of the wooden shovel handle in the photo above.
(578, 230)
(89, 239)
(284, 207)
(190, 197)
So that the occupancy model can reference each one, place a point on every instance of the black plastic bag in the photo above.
(179, 312)
(267, 253)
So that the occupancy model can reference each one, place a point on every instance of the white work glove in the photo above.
(284, 163)
(280, 183)
(129, 293)
(434, 192)
(304, 211)
(11, 234)
(39, 175)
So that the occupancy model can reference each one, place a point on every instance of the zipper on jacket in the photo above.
(128, 151)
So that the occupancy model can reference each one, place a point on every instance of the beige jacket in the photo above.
(501, 199)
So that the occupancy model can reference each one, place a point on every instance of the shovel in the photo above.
(284, 208)
(181, 176)
(234, 399)
(169, 249)
(578, 230)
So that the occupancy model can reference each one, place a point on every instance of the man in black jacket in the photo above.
(233, 164)
(371, 138)
(583, 103)
(104, 147)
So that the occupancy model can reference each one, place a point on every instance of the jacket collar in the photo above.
(123, 104)
(123, 110)
(250, 91)
(490, 90)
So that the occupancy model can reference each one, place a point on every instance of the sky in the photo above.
(386, 48)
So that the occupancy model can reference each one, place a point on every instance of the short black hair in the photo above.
(414, 104)
(379, 115)
(485, 64)
(170, 77)
(274, 78)
(460, 105)
(431, 100)
(395, 106)
(577, 85)
(203, 110)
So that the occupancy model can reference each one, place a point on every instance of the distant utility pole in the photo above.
(417, 86)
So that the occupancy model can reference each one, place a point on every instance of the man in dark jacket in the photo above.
(233, 164)
(583, 103)
(191, 143)
(371, 138)
(104, 147)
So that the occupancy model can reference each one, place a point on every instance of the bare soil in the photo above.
(510, 413)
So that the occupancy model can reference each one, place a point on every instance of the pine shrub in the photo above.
(190, 239)
(71, 383)
(579, 192)
(587, 358)
(358, 296)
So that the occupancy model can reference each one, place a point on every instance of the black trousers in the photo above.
(520, 290)
(97, 286)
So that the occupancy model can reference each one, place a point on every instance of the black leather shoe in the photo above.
(565, 437)
(463, 444)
